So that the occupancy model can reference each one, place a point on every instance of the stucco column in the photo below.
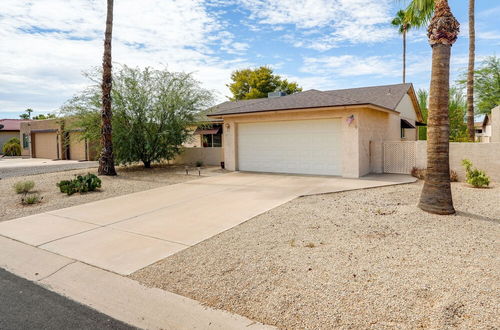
(350, 146)
(230, 145)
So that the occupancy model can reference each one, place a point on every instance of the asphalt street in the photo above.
(19, 170)
(26, 305)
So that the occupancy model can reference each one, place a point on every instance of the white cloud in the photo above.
(351, 66)
(45, 45)
(333, 22)
(316, 82)
(490, 12)
(229, 45)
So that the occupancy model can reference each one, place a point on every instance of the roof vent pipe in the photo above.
(273, 95)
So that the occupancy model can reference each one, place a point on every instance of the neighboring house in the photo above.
(53, 139)
(338, 132)
(483, 129)
(494, 121)
(205, 144)
(478, 131)
(10, 128)
(206, 135)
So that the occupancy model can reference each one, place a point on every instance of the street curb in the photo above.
(119, 297)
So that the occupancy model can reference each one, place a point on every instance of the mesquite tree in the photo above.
(153, 112)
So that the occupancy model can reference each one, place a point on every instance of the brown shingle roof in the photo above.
(387, 96)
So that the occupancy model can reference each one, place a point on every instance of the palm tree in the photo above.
(418, 14)
(470, 73)
(442, 32)
(400, 21)
(106, 161)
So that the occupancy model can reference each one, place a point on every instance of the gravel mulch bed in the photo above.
(360, 259)
(129, 180)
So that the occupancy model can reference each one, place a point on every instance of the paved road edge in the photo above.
(119, 297)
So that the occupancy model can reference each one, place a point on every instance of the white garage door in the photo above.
(302, 147)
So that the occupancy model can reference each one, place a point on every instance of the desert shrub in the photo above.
(30, 199)
(474, 176)
(14, 140)
(24, 187)
(418, 173)
(453, 176)
(81, 184)
(12, 147)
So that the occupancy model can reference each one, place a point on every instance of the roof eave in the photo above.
(368, 105)
(416, 105)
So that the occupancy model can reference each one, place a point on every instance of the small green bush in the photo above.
(30, 199)
(81, 184)
(12, 147)
(14, 140)
(474, 176)
(24, 187)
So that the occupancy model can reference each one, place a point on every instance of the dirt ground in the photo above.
(129, 180)
(360, 259)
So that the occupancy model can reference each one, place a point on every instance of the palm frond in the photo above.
(419, 12)
(400, 21)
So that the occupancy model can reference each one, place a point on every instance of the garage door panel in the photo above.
(77, 148)
(304, 147)
(45, 145)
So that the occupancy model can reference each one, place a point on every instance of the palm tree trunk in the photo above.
(470, 73)
(106, 161)
(436, 194)
(404, 56)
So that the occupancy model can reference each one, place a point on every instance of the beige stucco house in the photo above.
(9, 128)
(494, 121)
(338, 132)
(483, 129)
(55, 139)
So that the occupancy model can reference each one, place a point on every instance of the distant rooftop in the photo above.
(11, 124)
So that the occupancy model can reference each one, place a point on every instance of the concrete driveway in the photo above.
(12, 167)
(126, 233)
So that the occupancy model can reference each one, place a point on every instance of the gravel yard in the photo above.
(359, 259)
(129, 180)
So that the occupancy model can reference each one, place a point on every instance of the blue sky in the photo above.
(323, 44)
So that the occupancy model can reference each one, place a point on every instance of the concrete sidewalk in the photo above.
(119, 297)
(126, 233)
